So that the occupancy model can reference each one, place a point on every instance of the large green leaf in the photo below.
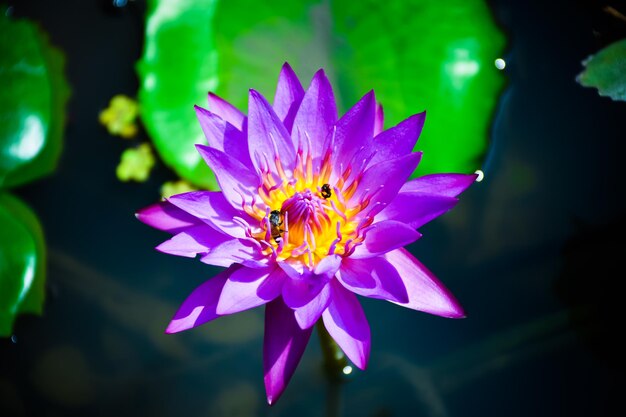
(428, 55)
(416, 54)
(32, 102)
(606, 71)
(177, 70)
(22, 262)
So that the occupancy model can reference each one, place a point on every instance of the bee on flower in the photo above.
(313, 211)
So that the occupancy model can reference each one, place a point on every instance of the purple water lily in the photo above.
(314, 210)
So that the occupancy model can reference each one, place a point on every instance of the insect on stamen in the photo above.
(276, 221)
(326, 192)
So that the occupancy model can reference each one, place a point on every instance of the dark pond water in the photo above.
(531, 252)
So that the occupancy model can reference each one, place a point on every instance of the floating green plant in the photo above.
(606, 71)
(438, 56)
(32, 116)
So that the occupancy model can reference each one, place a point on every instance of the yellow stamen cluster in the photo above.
(299, 221)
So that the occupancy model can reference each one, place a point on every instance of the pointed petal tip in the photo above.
(175, 326)
(456, 312)
(273, 393)
(320, 73)
(286, 66)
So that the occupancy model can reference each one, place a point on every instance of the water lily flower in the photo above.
(313, 211)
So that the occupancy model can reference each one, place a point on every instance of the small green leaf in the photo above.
(22, 262)
(120, 117)
(32, 102)
(136, 164)
(606, 71)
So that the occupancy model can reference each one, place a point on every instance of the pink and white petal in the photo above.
(212, 208)
(223, 136)
(199, 307)
(267, 136)
(416, 209)
(226, 111)
(380, 183)
(399, 140)
(383, 237)
(289, 93)
(283, 346)
(374, 278)
(167, 217)
(236, 181)
(192, 241)
(247, 288)
(426, 292)
(316, 116)
(308, 314)
(448, 185)
(236, 251)
(347, 325)
(328, 266)
(379, 122)
(354, 133)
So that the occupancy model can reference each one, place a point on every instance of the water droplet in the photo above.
(347, 370)
(9, 11)
(481, 175)
(500, 63)
(14, 338)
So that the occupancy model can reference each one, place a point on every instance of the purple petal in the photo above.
(223, 136)
(379, 122)
(354, 133)
(316, 116)
(381, 182)
(240, 251)
(346, 323)
(247, 288)
(374, 277)
(289, 93)
(448, 185)
(426, 292)
(283, 346)
(226, 111)
(199, 307)
(399, 140)
(192, 241)
(385, 236)
(303, 286)
(268, 139)
(236, 181)
(299, 292)
(212, 208)
(165, 216)
(416, 209)
(308, 314)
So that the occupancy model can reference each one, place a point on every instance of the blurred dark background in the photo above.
(533, 252)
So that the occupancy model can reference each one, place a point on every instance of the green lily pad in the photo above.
(177, 70)
(606, 71)
(32, 102)
(22, 262)
(416, 55)
(425, 55)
